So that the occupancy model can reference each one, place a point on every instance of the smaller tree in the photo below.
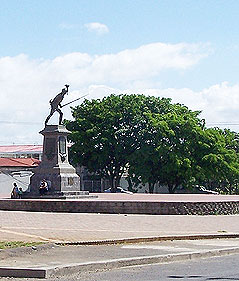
(168, 153)
(220, 160)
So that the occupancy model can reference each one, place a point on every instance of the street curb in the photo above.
(149, 239)
(23, 272)
(110, 264)
(137, 261)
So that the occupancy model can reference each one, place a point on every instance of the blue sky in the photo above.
(186, 50)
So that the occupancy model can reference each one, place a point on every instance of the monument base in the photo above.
(60, 195)
(55, 171)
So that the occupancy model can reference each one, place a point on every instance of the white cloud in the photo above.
(219, 103)
(97, 27)
(27, 85)
(146, 61)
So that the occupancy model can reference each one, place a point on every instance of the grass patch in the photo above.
(18, 244)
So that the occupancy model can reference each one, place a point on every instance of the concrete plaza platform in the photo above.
(152, 204)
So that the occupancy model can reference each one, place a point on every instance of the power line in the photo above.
(20, 122)
(40, 123)
(225, 124)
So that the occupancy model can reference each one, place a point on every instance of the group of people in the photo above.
(16, 192)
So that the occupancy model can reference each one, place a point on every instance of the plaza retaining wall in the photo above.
(121, 207)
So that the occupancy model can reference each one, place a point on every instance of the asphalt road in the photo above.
(223, 268)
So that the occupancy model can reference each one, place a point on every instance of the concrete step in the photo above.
(60, 195)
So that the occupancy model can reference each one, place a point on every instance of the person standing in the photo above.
(20, 192)
(15, 191)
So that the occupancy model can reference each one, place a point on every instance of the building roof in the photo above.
(19, 162)
(21, 149)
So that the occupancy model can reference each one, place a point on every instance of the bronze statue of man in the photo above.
(56, 104)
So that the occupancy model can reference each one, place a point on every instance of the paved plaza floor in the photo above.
(76, 227)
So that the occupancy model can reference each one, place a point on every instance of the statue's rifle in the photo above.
(75, 100)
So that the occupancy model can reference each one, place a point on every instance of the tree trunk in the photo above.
(114, 182)
(151, 187)
(117, 180)
(116, 176)
(112, 185)
(171, 188)
(130, 184)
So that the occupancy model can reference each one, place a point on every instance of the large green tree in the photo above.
(106, 133)
(154, 140)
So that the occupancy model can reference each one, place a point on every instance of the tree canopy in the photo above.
(152, 139)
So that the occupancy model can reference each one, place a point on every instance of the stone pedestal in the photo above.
(55, 167)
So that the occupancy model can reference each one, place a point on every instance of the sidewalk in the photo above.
(78, 227)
